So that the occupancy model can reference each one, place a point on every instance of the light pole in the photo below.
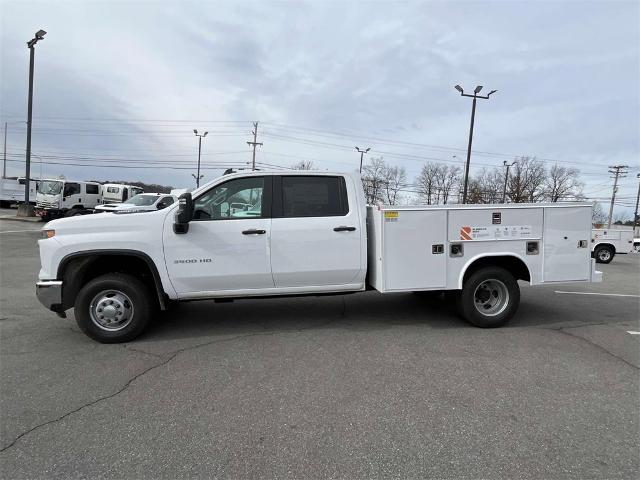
(200, 137)
(475, 96)
(362, 152)
(506, 179)
(635, 215)
(31, 44)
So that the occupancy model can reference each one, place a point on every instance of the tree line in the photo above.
(529, 181)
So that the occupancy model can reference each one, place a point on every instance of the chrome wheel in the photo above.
(604, 255)
(111, 310)
(491, 297)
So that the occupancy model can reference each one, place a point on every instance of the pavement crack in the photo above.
(141, 374)
(599, 347)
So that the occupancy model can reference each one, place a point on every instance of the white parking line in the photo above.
(632, 332)
(19, 231)
(601, 294)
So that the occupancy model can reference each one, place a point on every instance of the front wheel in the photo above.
(113, 308)
(490, 297)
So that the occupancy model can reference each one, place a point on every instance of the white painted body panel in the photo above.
(218, 256)
(306, 251)
(563, 229)
(622, 240)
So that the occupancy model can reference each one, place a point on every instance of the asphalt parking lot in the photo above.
(360, 386)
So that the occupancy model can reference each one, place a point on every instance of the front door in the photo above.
(315, 232)
(224, 250)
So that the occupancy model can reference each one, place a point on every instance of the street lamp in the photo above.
(475, 96)
(635, 215)
(362, 152)
(200, 137)
(30, 44)
(506, 179)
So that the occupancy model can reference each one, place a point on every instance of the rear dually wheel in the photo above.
(489, 298)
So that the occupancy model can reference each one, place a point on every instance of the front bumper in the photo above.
(49, 293)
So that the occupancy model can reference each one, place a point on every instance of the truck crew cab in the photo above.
(64, 198)
(306, 233)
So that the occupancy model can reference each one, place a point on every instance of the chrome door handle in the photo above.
(344, 229)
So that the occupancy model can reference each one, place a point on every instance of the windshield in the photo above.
(142, 200)
(50, 187)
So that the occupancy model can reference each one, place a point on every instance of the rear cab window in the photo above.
(314, 196)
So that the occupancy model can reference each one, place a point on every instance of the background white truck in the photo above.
(69, 198)
(12, 191)
(309, 233)
(118, 193)
(606, 243)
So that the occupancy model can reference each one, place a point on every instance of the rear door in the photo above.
(315, 237)
(567, 256)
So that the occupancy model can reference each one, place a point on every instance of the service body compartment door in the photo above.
(565, 258)
(414, 249)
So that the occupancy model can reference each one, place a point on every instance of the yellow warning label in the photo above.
(393, 214)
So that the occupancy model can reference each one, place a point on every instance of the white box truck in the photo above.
(12, 191)
(66, 198)
(307, 233)
(607, 243)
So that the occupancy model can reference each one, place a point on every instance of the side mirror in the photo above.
(184, 214)
(160, 205)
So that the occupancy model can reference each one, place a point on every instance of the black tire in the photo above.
(129, 288)
(74, 212)
(484, 288)
(604, 254)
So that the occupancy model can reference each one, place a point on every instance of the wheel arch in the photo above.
(75, 271)
(605, 244)
(511, 262)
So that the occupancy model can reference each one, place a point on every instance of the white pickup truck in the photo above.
(607, 243)
(307, 233)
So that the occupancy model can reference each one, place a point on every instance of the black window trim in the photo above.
(267, 196)
(278, 199)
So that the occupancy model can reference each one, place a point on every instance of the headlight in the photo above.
(48, 233)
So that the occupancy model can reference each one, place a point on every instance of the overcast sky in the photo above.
(123, 84)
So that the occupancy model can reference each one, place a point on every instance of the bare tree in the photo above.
(373, 180)
(598, 215)
(427, 183)
(447, 178)
(303, 165)
(562, 183)
(394, 179)
(526, 180)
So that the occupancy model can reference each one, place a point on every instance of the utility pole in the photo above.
(200, 137)
(635, 215)
(362, 152)
(31, 44)
(506, 179)
(617, 170)
(255, 143)
(475, 96)
(4, 155)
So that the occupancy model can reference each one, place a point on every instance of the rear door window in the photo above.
(314, 196)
